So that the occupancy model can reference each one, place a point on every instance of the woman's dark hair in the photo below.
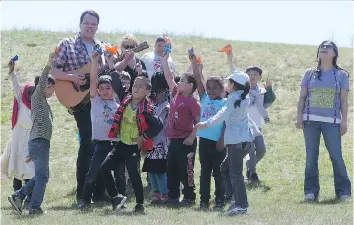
(240, 87)
(90, 12)
(334, 61)
(216, 79)
(51, 80)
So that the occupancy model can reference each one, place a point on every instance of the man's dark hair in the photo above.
(191, 80)
(51, 80)
(254, 68)
(92, 13)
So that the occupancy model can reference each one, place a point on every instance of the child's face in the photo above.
(254, 77)
(213, 89)
(139, 90)
(183, 87)
(230, 87)
(105, 91)
(49, 90)
(126, 83)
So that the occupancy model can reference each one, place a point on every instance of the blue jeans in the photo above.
(158, 183)
(39, 153)
(332, 139)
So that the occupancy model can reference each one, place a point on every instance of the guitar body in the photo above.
(74, 97)
(65, 92)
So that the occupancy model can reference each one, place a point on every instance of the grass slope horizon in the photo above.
(279, 197)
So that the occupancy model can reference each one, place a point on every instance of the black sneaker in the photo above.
(172, 202)
(38, 211)
(83, 205)
(118, 201)
(139, 208)
(16, 203)
(254, 177)
(219, 205)
(204, 205)
(187, 202)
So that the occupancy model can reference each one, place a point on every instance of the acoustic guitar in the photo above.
(77, 97)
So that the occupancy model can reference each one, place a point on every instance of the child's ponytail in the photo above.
(245, 89)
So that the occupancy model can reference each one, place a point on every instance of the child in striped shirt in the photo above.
(39, 143)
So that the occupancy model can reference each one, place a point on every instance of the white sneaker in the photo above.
(344, 197)
(238, 211)
(310, 197)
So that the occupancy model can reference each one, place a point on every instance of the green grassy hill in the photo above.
(279, 198)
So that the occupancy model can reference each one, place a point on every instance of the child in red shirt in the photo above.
(184, 110)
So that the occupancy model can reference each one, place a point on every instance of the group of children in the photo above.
(127, 123)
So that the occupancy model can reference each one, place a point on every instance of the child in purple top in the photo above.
(323, 108)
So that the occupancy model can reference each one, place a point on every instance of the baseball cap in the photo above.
(239, 77)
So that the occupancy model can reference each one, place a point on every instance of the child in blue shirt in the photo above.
(211, 140)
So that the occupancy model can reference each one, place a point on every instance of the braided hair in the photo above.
(239, 87)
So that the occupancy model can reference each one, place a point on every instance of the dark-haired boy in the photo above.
(184, 110)
(39, 143)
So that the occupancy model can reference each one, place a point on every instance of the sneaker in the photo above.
(344, 197)
(26, 204)
(232, 206)
(310, 197)
(187, 202)
(16, 203)
(139, 208)
(204, 205)
(156, 199)
(172, 202)
(163, 199)
(219, 205)
(38, 211)
(238, 211)
(254, 177)
(118, 201)
(82, 204)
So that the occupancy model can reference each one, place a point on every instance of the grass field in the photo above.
(279, 197)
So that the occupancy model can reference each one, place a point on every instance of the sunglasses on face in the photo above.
(326, 46)
(128, 46)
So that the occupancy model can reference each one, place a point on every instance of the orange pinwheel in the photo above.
(111, 49)
(227, 48)
(199, 60)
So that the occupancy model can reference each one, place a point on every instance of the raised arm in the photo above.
(229, 61)
(167, 72)
(43, 80)
(15, 84)
(197, 75)
(94, 74)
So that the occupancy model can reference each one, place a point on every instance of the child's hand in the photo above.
(190, 155)
(95, 58)
(189, 140)
(201, 126)
(220, 145)
(165, 57)
(268, 83)
(28, 159)
(11, 66)
(51, 58)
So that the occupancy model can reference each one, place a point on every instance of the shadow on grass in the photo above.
(332, 201)
(71, 193)
(258, 185)
(122, 212)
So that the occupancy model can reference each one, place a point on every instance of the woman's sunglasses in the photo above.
(128, 46)
(326, 46)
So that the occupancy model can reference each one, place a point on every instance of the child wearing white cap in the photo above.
(240, 132)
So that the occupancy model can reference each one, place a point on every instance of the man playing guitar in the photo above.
(73, 54)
